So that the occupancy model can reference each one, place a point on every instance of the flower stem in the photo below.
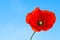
(32, 35)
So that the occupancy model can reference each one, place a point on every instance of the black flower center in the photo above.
(40, 22)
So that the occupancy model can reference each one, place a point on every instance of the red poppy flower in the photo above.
(40, 19)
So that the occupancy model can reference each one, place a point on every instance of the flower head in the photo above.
(40, 19)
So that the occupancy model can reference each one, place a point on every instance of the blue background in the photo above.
(12, 19)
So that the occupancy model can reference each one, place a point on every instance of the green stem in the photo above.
(32, 35)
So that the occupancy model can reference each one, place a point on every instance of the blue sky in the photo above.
(12, 19)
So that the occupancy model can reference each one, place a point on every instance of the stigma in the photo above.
(41, 23)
